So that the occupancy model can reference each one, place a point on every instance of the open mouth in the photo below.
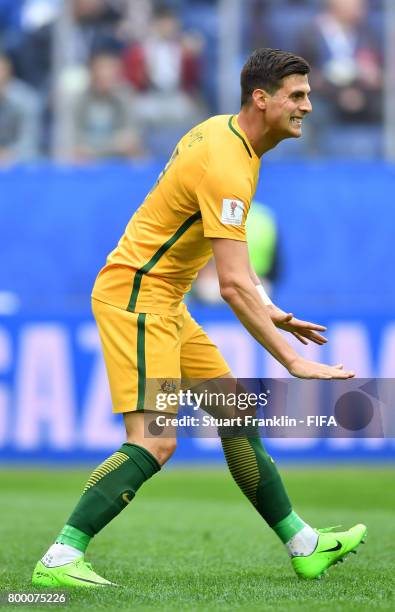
(296, 121)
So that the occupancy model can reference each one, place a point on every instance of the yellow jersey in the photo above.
(204, 192)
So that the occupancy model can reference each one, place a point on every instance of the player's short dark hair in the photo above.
(265, 69)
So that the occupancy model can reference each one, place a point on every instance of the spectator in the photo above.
(96, 23)
(32, 51)
(165, 69)
(19, 117)
(103, 118)
(346, 75)
(136, 18)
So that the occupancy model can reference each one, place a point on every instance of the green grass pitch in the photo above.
(190, 541)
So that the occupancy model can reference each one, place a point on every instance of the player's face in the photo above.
(287, 107)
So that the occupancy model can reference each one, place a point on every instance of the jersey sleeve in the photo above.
(224, 202)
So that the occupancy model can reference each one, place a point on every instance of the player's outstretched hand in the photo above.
(303, 368)
(302, 330)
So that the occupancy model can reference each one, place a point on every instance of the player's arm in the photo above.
(238, 290)
(302, 330)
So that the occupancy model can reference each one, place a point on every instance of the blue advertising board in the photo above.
(55, 402)
(58, 223)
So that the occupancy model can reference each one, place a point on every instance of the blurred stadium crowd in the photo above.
(91, 79)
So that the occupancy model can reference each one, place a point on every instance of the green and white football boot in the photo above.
(77, 573)
(332, 547)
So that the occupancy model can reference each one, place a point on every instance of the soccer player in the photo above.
(197, 208)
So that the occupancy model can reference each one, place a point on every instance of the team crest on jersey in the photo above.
(232, 211)
(195, 136)
(168, 386)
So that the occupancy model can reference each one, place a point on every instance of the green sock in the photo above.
(110, 488)
(289, 526)
(257, 476)
(74, 537)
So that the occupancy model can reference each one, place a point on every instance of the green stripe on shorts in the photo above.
(141, 360)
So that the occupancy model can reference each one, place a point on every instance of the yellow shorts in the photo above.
(146, 353)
